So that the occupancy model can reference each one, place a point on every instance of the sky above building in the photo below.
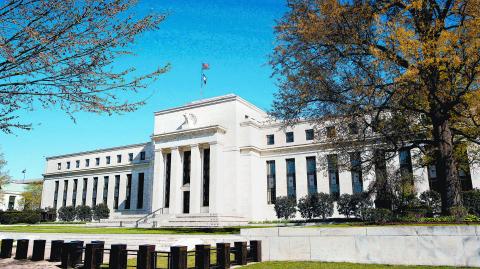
(234, 37)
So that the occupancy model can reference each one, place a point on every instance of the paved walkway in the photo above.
(27, 264)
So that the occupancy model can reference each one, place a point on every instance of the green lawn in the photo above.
(324, 265)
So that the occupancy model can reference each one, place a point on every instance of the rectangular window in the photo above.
(11, 202)
(291, 183)
(94, 193)
(142, 156)
(74, 193)
(116, 192)
(77, 164)
(331, 132)
(97, 161)
(55, 195)
(65, 191)
(463, 167)
(128, 191)
(107, 159)
(270, 139)
(186, 167)
(141, 181)
(333, 175)
(59, 166)
(119, 158)
(206, 178)
(68, 165)
(356, 172)
(271, 182)
(84, 191)
(130, 157)
(405, 158)
(309, 134)
(312, 175)
(433, 182)
(87, 162)
(105, 189)
(289, 137)
(168, 169)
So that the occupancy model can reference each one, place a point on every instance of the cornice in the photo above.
(93, 170)
(96, 151)
(189, 132)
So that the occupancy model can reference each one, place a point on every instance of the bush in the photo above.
(325, 206)
(431, 202)
(285, 207)
(379, 215)
(458, 212)
(363, 204)
(100, 211)
(346, 205)
(307, 206)
(471, 201)
(66, 213)
(83, 213)
(26, 216)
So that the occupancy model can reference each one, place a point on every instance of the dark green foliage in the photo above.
(311, 207)
(66, 213)
(471, 201)
(354, 204)
(346, 205)
(363, 204)
(285, 207)
(100, 211)
(325, 206)
(83, 213)
(431, 202)
(14, 216)
(378, 215)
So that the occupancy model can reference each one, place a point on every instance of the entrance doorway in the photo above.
(186, 202)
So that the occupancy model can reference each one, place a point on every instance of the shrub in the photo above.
(458, 212)
(307, 206)
(346, 205)
(379, 215)
(325, 206)
(471, 201)
(285, 207)
(363, 204)
(83, 213)
(431, 202)
(66, 213)
(100, 211)
(14, 216)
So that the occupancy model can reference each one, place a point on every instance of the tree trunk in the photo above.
(446, 165)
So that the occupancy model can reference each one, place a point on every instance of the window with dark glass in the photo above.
(128, 191)
(142, 156)
(206, 178)
(141, 182)
(168, 169)
(68, 165)
(289, 137)
(270, 139)
(309, 134)
(463, 167)
(97, 161)
(116, 192)
(65, 191)
(312, 175)
(353, 128)
(291, 183)
(84, 191)
(382, 199)
(87, 162)
(433, 181)
(271, 182)
(356, 172)
(119, 158)
(77, 164)
(333, 175)
(186, 167)
(105, 189)
(107, 160)
(94, 193)
(55, 196)
(74, 193)
(59, 166)
(331, 132)
(130, 157)
(11, 202)
(406, 169)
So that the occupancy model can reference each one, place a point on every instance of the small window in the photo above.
(11, 202)
(331, 132)
(289, 137)
(59, 166)
(270, 139)
(97, 161)
(87, 162)
(119, 158)
(68, 165)
(309, 134)
(130, 157)
(353, 128)
(107, 159)
(77, 164)
(142, 155)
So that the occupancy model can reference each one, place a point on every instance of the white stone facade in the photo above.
(206, 158)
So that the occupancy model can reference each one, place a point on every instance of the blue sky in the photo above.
(234, 37)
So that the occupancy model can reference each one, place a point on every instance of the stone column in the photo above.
(176, 204)
(158, 180)
(195, 180)
(216, 166)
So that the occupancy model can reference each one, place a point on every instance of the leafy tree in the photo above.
(32, 196)
(83, 213)
(100, 211)
(4, 177)
(325, 205)
(471, 199)
(66, 213)
(404, 73)
(346, 205)
(431, 201)
(285, 207)
(61, 54)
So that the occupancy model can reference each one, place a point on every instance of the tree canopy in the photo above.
(32, 196)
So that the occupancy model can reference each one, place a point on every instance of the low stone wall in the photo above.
(402, 245)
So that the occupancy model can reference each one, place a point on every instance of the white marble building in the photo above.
(217, 160)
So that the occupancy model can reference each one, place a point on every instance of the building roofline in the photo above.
(95, 151)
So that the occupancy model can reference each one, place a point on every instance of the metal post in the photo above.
(68, 248)
(179, 257)
(77, 252)
(118, 256)
(38, 253)
(223, 255)
(146, 257)
(256, 250)
(202, 256)
(90, 261)
(22, 249)
(56, 250)
(240, 253)
(6, 248)
(100, 251)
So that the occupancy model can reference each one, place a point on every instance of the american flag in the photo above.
(205, 66)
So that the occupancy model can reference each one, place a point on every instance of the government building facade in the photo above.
(217, 161)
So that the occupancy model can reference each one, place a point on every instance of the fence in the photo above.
(91, 255)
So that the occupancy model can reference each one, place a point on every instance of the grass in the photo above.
(327, 265)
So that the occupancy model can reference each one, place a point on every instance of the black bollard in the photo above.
(22, 249)
(223, 255)
(6, 248)
(179, 257)
(90, 261)
(68, 248)
(146, 257)
(77, 252)
(100, 251)
(240, 253)
(56, 251)
(256, 250)
(38, 253)
(118, 256)
(202, 256)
